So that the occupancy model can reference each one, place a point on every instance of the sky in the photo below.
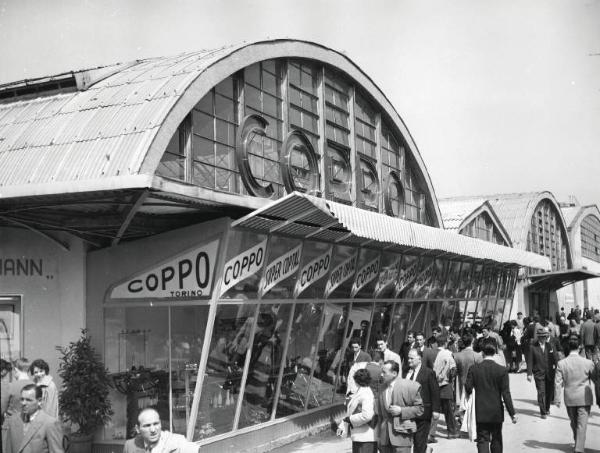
(499, 96)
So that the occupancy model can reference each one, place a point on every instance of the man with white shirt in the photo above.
(152, 439)
(430, 393)
(32, 430)
(388, 354)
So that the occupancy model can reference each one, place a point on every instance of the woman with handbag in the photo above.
(360, 417)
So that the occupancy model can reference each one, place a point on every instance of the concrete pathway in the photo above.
(531, 433)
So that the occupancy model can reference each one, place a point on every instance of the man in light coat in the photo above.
(399, 399)
(574, 374)
(32, 430)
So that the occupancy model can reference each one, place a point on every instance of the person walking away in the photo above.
(588, 336)
(40, 371)
(151, 438)
(543, 358)
(32, 430)
(399, 403)
(574, 373)
(430, 394)
(491, 385)
(429, 355)
(359, 416)
(444, 368)
(465, 359)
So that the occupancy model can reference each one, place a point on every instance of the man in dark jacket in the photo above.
(430, 393)
(543, 357)
(491, 385)
(588, 336)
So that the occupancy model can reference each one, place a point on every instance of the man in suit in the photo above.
(32, 430)
(152, 439)
(589, 336)
(491, 385)
(399, 399)
(420, 341)
(20, 379)
(430, 394)
(543, 357)
(465, 359)
(574, 373)
(405, 348)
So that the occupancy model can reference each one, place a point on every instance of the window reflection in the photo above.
(263, 371)
(300, 360)
(223, 377)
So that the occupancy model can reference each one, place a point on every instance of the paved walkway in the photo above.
(531, 433)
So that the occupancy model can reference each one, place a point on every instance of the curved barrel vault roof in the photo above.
(112, 133)
(515, 210)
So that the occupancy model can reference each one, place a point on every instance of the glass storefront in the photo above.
(277, 330)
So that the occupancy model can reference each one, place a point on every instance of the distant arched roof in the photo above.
(515, 210)
(458, 213)
(576, 214)
(118, 124)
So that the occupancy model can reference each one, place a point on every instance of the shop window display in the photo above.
(399, 325)
(153, 353)
(381, 323)
(270, 338)
(417, 317)
(332, 355)
(300, 360)
(222, 381)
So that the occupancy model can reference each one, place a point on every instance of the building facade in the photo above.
(239, 214)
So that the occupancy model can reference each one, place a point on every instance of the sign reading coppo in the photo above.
(187, 275)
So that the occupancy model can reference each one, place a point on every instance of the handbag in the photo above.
(407, 426)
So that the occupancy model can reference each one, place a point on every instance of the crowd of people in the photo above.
(461, 375)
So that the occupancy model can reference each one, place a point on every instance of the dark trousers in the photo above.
(448, 411)
(489, 437)
(421, 435)
(364, 447)
(545, 392)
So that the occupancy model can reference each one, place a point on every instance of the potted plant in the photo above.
(83, 399)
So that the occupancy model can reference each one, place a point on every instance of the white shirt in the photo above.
(412, 374)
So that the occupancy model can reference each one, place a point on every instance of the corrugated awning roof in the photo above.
(559, 279)
(305, 216)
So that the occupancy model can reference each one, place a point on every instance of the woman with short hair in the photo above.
(40, 371)
(360, 416)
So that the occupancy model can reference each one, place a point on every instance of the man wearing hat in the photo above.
(543, 357)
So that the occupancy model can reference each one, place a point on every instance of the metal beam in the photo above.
(129, 217)
(61, 244)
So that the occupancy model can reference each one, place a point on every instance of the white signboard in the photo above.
(365, 274)
(189, 274)
(340, 274)
(313, 271)
(406, 276)
(243, 266)
(280, 269)
(388, 276)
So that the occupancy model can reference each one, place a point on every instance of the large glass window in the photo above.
(229, 350)
(270, 338)
(300, 360)
(590, 238)
(153, 354)
(300, 97)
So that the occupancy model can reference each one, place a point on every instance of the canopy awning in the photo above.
(558, 279)
(304, 216)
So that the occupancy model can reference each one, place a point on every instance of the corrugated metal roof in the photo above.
(346, 224)
(514, 211)
(99, 131)
(455, 211)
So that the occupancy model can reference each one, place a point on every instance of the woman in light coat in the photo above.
(360, 416)
(40, 370)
